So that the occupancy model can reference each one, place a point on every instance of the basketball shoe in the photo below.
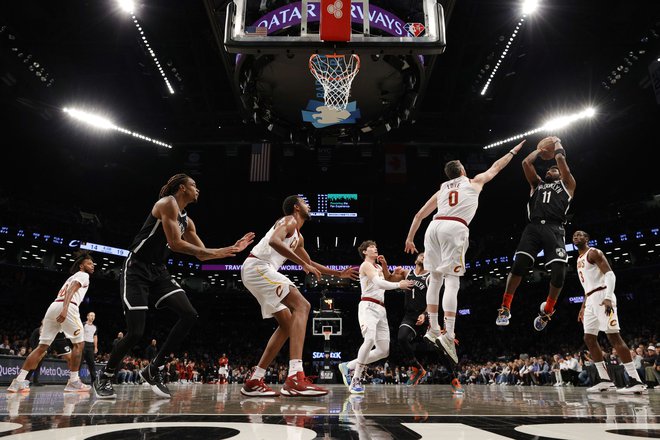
(103, 387)
(456, 387)
(345, 373)
(448, 345)
(151, 375)
(356, 386)
(258, 388)
(300, 385)
(75, 386)
(602, 386)
(542, 320)
(19, 386)
(416, 376)
(503, 316)
(634, 387)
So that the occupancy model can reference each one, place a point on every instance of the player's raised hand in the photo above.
(406, 284)
(244, 241)
(381, 260)
(518, 147)
(399, 271)
(350, 272)
(420, 319)
(410, 247)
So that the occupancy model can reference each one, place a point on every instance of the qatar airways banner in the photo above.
(289, 15)
(52, 371)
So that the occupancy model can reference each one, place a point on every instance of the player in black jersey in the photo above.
(145, 279)
(547, 207)
(415, 308)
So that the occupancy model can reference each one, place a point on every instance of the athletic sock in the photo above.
(22, 375)
(549, 305)
(602, 370)
(632, 372)
(295, 365)
(258, 373)
(450, 321)
(506, 300)
(433, 321)
(73, 376)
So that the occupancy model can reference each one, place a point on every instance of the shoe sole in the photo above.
(259, 394)
(306, 393)
(447, 351)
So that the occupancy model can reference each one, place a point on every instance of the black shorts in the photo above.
(410, 320)
(141, 282)
(549, 238)
(61, 346)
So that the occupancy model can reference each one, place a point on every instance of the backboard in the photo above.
(376, 26)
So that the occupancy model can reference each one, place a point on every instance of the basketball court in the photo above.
(384, 412)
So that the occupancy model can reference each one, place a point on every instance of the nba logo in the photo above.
(335, 20)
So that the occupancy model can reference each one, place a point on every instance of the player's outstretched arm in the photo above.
(398, 274)
(528, 168)
(426, 210)
(369, 270)
(483, 178)
(167, 210)
(191, 237)
(566, 176)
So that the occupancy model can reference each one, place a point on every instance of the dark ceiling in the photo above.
(559, 63)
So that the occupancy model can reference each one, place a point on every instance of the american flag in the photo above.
(260, 163)
(261, 31)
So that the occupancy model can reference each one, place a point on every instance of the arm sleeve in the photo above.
(610, 282)
(382, 284)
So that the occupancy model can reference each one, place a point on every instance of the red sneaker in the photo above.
(299, 385)
(257, 388)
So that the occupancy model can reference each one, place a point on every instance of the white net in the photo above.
(336, 74)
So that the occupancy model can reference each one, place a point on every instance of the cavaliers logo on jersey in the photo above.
(278, 291)
(76, 333)
(561, 252)
(294, 243)
(457, 269)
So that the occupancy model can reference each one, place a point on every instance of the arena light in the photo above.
(498, 63)
(550, 125)
(129, 7)
(105, 124)
(529, 6)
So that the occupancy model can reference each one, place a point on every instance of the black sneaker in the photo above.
(103, 387)
(156, 381)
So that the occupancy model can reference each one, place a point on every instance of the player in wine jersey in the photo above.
(372, 315)
(599, 314)
(446, 241)
(223, 368)
(280, 299)
(548, 204)
(145, 279)
(62, 316)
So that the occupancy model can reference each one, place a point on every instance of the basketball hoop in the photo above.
(336, 74)
(327, 334)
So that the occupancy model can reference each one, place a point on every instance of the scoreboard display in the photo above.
(332, 206)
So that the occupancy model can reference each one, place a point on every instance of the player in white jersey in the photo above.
(62, 316)
(372, 315)
(280, 299)
(446, 241)
(599, 314)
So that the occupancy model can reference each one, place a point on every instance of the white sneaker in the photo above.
(448, 346)
(76, 386)
(18, 386)
(602, 386)
(431, 336)
(634, 387)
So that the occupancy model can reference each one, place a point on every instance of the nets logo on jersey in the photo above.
(561, 252)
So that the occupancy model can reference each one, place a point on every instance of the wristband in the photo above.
(560, 151)
(512, 153)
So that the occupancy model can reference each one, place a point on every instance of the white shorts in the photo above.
(445, 244)
(595, 319)
(72, 325)
(222, 371)
(266, 284)
(373, 321)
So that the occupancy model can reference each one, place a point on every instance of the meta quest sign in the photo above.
(289, 15)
